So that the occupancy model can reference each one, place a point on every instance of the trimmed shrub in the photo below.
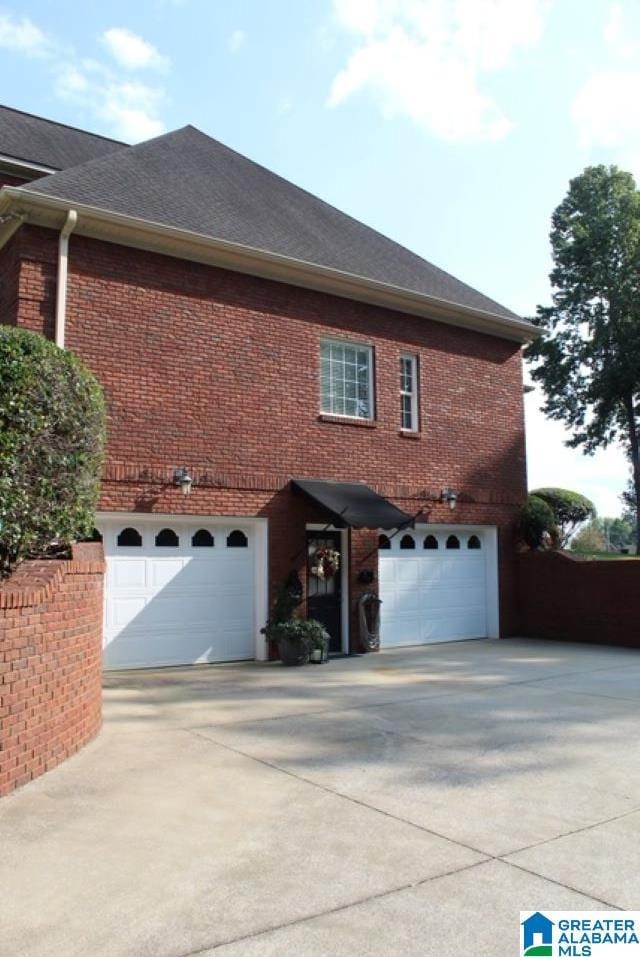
(570, 509)
(52, 437)
(306, 631)
(536, 521)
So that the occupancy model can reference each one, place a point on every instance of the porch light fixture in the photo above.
(449, 496)
(183, 480)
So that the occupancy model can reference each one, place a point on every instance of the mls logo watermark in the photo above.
(537, 934)
(560, 933)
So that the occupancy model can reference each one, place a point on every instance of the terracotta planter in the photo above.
(292, 652)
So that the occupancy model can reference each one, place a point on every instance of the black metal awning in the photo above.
(353, 504)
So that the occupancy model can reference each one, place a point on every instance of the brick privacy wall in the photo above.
(572, 599)
(220, 372)
(50, 663)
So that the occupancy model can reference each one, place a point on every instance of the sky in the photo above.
(453, 126)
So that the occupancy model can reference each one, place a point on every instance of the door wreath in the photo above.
(326, 563)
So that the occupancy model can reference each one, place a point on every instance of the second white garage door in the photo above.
(178, 591)
(437, 584)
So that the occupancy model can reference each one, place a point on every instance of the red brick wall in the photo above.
(573, 599)
(33, 295)
(9, 284)
(220, 372)
(50, 663)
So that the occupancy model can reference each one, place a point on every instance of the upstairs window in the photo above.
(346, 379)
(409, 393)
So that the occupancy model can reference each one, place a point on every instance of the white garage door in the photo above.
(434, 585)
(178, 592)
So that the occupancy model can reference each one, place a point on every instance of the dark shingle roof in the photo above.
(32, 139)
(187, 180)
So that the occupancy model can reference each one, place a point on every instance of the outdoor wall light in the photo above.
(183, 480)
(449, 496)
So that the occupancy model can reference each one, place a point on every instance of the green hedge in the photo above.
(536, 519)
(570, 509)
(52, 437)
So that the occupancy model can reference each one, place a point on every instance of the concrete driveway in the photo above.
(409, 803)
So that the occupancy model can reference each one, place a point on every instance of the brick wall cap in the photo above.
(34, 581)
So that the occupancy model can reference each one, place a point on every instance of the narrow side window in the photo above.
(409, 393)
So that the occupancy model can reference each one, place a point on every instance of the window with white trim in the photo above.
(409, 393)
(346, 379)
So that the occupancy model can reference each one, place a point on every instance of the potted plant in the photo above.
(297, 639)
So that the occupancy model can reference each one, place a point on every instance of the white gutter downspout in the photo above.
(63, 269)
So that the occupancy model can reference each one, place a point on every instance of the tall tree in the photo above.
(630, 508)
(588, 356)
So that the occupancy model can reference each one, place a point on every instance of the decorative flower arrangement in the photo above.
(326, 563)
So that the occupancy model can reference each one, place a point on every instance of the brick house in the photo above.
(320, 385)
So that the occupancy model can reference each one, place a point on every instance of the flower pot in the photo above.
(292, 652)
(319, 656)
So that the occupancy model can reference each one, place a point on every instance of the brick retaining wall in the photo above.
(50, 663)
(572, 599)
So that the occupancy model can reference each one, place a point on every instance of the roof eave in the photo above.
(173, 241)
(21, 167)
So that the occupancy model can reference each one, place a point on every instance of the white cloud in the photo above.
(22, 36)
(425, 59)
(130, 108)
(132, 51)
(604, 110)
(615, 34)
(237, 40)
(70, 81)
(601, 477)
(284, 105)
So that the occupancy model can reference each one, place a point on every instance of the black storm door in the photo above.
(324, 591)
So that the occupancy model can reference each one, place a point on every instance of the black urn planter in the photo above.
(292, 652)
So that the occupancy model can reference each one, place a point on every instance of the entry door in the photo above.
(324, 602)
